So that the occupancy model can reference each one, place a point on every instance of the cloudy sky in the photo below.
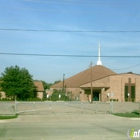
(69, 27)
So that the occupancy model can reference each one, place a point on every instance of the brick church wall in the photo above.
(137, 89)
(117, 85)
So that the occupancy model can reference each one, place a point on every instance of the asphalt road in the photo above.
(67, 127)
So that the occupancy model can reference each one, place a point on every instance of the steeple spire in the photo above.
(99, 61)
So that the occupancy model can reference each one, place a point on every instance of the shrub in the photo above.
(55, 96)
(126, 99)
(116, 100)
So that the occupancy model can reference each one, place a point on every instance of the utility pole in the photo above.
(63, 81)
(91, 82)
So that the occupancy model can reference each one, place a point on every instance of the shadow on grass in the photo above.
(3, 117)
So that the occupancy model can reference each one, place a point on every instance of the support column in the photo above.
(129, 89)
(121, 91)
(102, 94)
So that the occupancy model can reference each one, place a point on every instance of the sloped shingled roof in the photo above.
(84, 77)
(39, 86)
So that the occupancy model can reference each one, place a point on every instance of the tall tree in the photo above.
(18, 82)
(46, 85)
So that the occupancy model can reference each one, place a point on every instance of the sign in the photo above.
(47, 95)
(108, 94)
(59, 96)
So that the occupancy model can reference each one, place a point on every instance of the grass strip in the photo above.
(3, 117)
(133, 114)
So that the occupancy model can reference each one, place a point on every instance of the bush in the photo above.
(55, 96)
(126, 99)
(116, 100)
(30, 99)
(6, 99)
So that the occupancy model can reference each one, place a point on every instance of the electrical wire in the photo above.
(66, 55)
(78, 31)
(54, 55)
(50, 55)
(90, 3)
(128, 67)
(64, 11)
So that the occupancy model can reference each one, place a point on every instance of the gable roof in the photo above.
(39, 86)
(84, 77)
(129, 73)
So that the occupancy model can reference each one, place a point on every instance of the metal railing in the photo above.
(82, 106)
(32, 106)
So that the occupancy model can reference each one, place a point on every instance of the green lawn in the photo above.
(2, 117)
(129, 114)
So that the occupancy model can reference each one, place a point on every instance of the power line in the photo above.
(64, 11)
(15, 21)
(61, 55)
(128, 67)
(55, 55)
(90, 3)
(78, 31)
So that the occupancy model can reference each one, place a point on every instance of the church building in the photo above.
(99, 83)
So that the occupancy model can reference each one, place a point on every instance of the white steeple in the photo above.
(99, 61)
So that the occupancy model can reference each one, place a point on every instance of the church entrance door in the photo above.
(129, 91)
(96, 96)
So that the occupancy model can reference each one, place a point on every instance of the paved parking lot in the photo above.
(7, 107)
(67, 123)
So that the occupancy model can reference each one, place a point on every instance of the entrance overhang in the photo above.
(94, 88)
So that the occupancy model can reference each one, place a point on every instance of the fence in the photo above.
(21, 107)
(71, 106)
(95, 106)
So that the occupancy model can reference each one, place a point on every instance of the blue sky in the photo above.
(72, 15)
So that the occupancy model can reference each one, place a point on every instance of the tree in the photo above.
(46, 85)
(18, 82)
(55, 82)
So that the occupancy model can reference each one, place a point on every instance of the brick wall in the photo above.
(2, 94)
